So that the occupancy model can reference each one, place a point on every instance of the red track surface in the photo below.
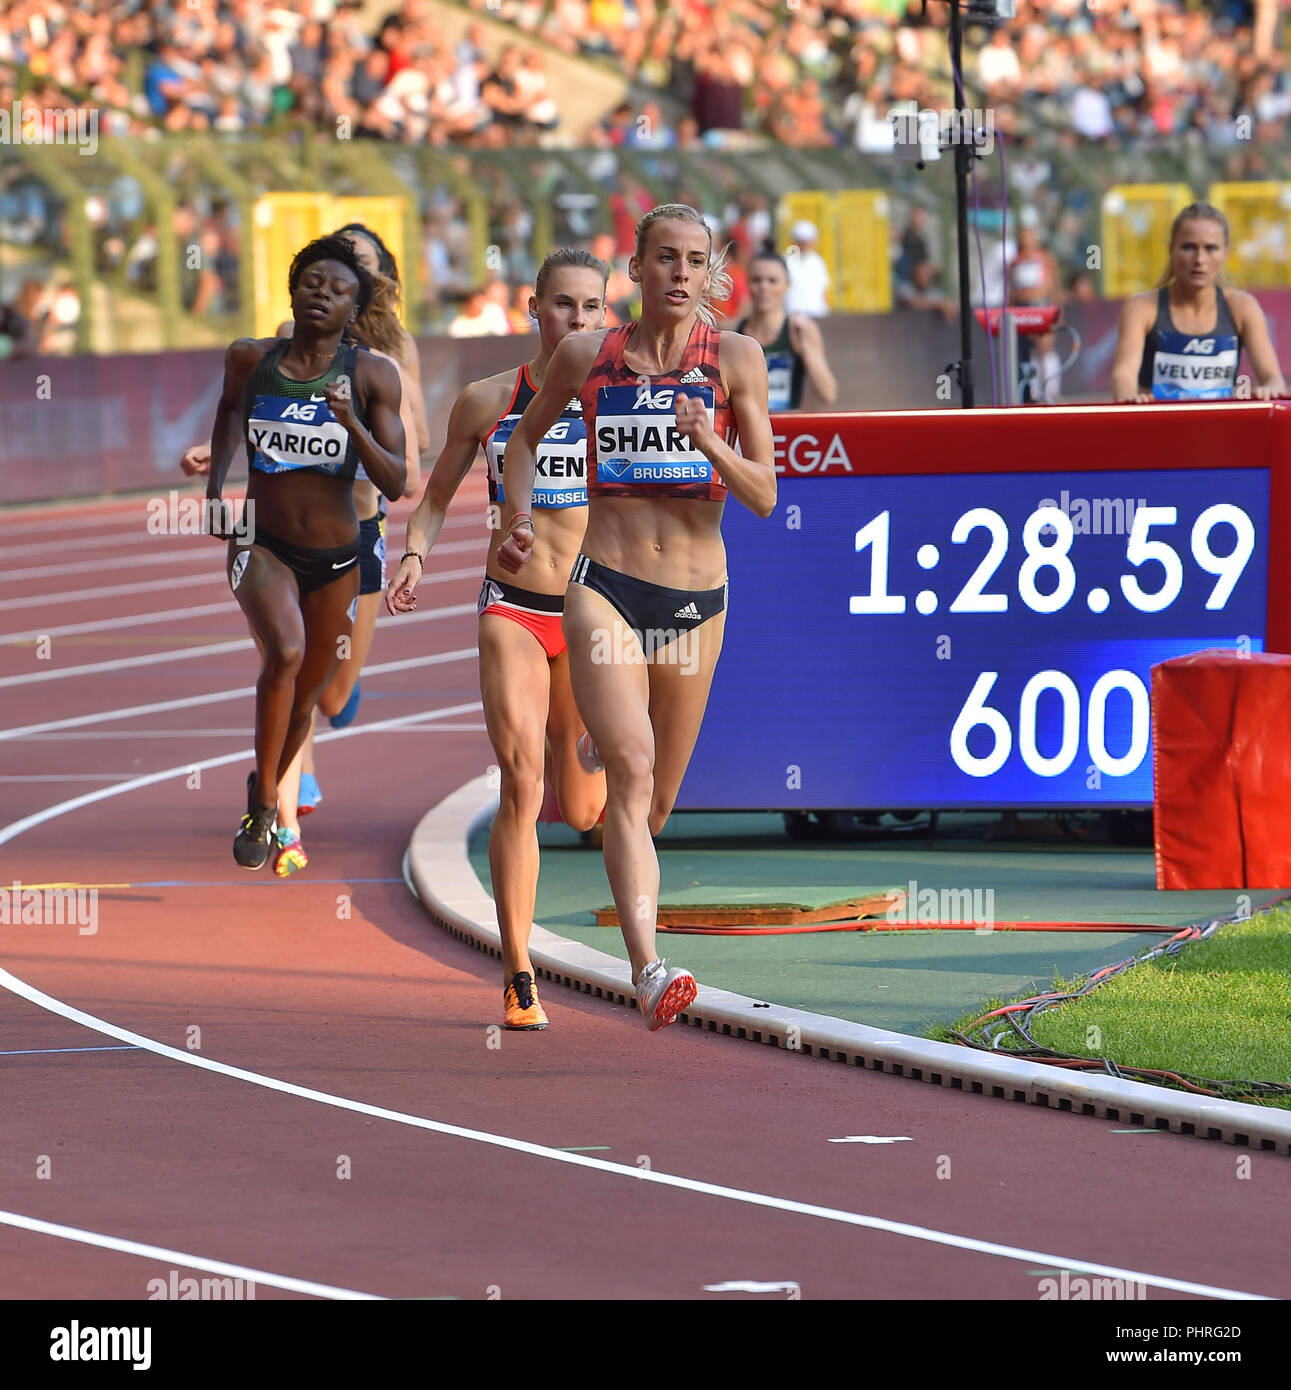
(381, 1007)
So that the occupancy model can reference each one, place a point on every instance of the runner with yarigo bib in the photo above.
(529, 708)
(1184, 341)
(665, 400)
(310, 409)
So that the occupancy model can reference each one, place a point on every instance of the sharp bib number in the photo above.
(637, 439)
(286, 434)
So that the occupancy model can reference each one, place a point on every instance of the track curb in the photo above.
(440, 875)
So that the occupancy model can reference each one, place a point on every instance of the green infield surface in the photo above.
(911, 980)
(1219, 1010)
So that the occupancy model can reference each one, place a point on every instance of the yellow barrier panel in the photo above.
(855, 241)
(814, 207)
(284, 222)
(1136, 234)
(864, 268)
(1259, 231)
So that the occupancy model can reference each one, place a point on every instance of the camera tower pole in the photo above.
(965, 153)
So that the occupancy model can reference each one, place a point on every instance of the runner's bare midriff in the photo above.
(558, 533)
(675, 542)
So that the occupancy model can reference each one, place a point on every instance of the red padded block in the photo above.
(1222, 770)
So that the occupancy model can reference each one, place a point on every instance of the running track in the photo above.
(146, 689)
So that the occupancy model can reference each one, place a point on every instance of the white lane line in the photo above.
(179, 1257)
(218, 696)
(501, 1141)
(53, 598)
(193, 552)
(184, 615)
(754, 1286)
(191, 654)
(56, 1006)
(114, 623)
(148, 779)
(55, 526)
(213, 576)
(196, 553)
(79, 776)
(874, 1139)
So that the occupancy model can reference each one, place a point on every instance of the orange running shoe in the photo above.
(520, 998)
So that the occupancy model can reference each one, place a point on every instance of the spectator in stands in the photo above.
(808, 274)
(16, 336)
(480, 316)
(916, 274)
(718, 103)
(537, 104)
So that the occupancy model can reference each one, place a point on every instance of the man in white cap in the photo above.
(808, 274)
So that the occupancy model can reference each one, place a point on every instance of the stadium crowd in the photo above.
(802, 72)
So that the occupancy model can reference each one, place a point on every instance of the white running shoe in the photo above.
(589, 759)
(663, 992)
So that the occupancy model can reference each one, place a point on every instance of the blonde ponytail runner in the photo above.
(379, 326)
(717, 280)
(718, 286)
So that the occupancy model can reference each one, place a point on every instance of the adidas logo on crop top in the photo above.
(636, 449)
(289, 425)
(1191, 366)
(560, 471)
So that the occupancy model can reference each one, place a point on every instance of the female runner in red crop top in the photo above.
(665, 400)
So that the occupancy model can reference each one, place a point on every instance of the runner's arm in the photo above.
(749, 475)
(239, 362)
(1254, 329)
(811, 347)
(566, 372)
(1131, 334)
(380, 444)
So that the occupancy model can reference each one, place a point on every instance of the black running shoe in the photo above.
(257, 835)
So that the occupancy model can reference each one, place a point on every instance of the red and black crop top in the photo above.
(634, 448)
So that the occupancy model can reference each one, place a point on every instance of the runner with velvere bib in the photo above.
(1184, 342)
(310, 409)
(665, 401)
(792, 343)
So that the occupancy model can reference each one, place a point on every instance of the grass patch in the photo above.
(1221, 1008)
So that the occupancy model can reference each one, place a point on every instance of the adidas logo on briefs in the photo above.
(690, 611)
(696, 376)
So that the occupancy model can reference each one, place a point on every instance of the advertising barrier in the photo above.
(83, 426)
(949, 610)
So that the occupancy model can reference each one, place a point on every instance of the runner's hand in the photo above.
(340, 401)
(400, 597)
(517, 548)
(692, 421)
(217, 517)
(196, 459)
